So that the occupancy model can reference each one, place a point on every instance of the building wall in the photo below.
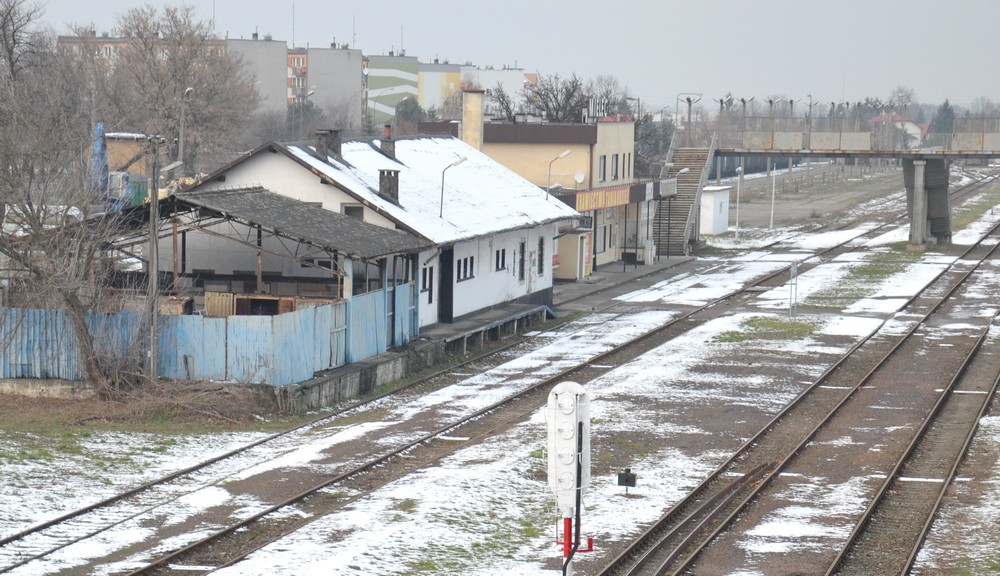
(390, 80)
(485, 284)
(282, 175)
(436, 83)
(266, 61)
(336, 74)
(514, 80)
(615, 141)
(531, 162)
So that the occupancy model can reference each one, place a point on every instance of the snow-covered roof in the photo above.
(480, 196)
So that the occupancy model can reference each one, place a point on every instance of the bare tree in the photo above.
(171, 66)
(559, 100)
(451, 108)
(21, 40)
(904, 100)
(609, 95)
(54, 241)
(504, 105)
(983, 107)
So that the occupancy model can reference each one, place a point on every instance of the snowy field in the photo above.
(487, 509)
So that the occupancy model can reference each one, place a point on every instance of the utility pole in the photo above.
(153, 266)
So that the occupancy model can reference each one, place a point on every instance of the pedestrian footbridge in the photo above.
(924, 157)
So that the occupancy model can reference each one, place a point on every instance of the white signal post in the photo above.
(567, 417)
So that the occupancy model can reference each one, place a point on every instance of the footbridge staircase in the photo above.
(676, 221)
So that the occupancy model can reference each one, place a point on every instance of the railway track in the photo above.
(100, 517)
(679, 540)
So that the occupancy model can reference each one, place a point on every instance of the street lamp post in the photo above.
(548, 178)
(180, 139)
(774, 180)
(739, 186)
(452, 165)
(302, 102)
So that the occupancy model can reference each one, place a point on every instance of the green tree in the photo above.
(944, 119)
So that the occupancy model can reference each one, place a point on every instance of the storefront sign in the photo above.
(601, 198)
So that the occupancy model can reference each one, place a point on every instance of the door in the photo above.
(446, 285)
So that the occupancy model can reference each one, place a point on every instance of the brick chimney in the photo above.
(388, 146)
(388, 185)
(328, 143)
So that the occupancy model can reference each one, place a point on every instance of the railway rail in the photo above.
(237, 539)
(683, 534)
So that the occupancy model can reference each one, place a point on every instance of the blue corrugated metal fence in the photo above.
(277, 350)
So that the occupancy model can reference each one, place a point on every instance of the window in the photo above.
(601, 239)
(521, 261)
(465, 268)
(614, 166)
(324, 263)
(541, 256)
(501, 259)
(627, 165)
(427, 282)
(602, 166)
(354, 211)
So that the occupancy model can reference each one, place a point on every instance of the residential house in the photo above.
(491, 229)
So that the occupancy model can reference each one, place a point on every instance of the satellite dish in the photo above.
(578, 177)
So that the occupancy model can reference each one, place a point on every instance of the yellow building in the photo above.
(589, 166)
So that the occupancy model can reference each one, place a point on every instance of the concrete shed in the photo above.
(714, 209)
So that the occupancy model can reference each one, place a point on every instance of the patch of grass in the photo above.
(767, 328)
(163, 445)
(861, 280)
(408, 505)
(962, 216)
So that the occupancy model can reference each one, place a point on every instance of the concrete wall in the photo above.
(336, 74)
(267, 61)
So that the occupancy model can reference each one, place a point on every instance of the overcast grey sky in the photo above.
(835, 51)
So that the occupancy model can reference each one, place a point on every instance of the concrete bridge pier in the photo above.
(927, 202)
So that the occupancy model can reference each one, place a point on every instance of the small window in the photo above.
(602, 168)
(354, 211)
(501, 259)
(427, 282)
(521, 262)
(541, 256)
(465, 268)
(614, 166)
